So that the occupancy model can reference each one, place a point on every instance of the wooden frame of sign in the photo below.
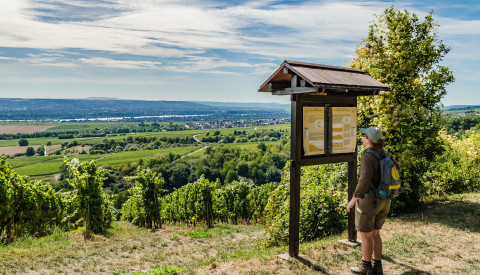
(325, 151)
(323, 125)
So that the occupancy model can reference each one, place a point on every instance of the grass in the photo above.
(46, 165)
(442, 238)
(133, 156)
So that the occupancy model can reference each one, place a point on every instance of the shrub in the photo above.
(144, 206)
(23, 142)
(458, 168)
(93, 207)
(26, 206)
(30, 151)
(322, 210)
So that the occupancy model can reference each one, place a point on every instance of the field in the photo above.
(23, 129)
(442, 238)
(45, 165)
(12, 150)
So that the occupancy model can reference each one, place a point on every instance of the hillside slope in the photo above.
(443, 238)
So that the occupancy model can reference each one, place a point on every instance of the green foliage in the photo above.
(458, 168)
(162, 270)
(258, 198)
(459, 124)
(93, 207)
(143, 207)
(27, 207)
(202, 201)
(23, 142)
(30, 151)
(231, 163)
(231, 202)
(322, 210)
(191, 203)
(40, 151)
(405, 53)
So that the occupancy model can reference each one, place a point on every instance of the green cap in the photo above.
(373, 133)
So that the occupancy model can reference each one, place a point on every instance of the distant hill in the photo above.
(459, 107)
(54, 109)
(236, 105)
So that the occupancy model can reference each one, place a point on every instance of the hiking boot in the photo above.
(377, 268)
(363, 268)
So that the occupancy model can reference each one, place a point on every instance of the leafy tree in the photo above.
(23, 142)
(404, 52)
(459, 124)
(273, 174)
(30, 151)
(243, 169)
(177, 174)
(262, 146)
(40, 151)
(231, 176)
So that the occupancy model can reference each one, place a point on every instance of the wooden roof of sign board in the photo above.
(299, 77)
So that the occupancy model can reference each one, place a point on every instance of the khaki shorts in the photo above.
(369, 217)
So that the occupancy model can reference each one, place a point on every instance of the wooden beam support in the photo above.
(307, 161)
(296, 90)
(278, 85)
(294, 81)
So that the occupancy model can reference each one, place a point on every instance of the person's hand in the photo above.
(351, 204)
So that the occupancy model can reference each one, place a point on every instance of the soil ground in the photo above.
(22, 129)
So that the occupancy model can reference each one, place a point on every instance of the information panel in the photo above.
(314, 130)
(344, 129)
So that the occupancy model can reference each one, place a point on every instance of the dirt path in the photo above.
(196, 139)
(198, 150)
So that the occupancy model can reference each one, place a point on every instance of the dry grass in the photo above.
(443, 238)
(22, 129)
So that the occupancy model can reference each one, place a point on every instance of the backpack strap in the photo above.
(374, 153)
(378, 157)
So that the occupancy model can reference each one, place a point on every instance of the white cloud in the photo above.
(47, 59)
(206, 65)
(123, 64)
(318, 29)
(167, 29)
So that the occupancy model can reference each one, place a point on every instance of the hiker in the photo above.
(370, 210)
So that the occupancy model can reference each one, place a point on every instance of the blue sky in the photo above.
(202, 50)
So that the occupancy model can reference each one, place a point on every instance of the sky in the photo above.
(204, 50)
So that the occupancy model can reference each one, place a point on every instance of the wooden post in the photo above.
(157, 211)
(87, 218)
(296, 143)
(352, 183)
